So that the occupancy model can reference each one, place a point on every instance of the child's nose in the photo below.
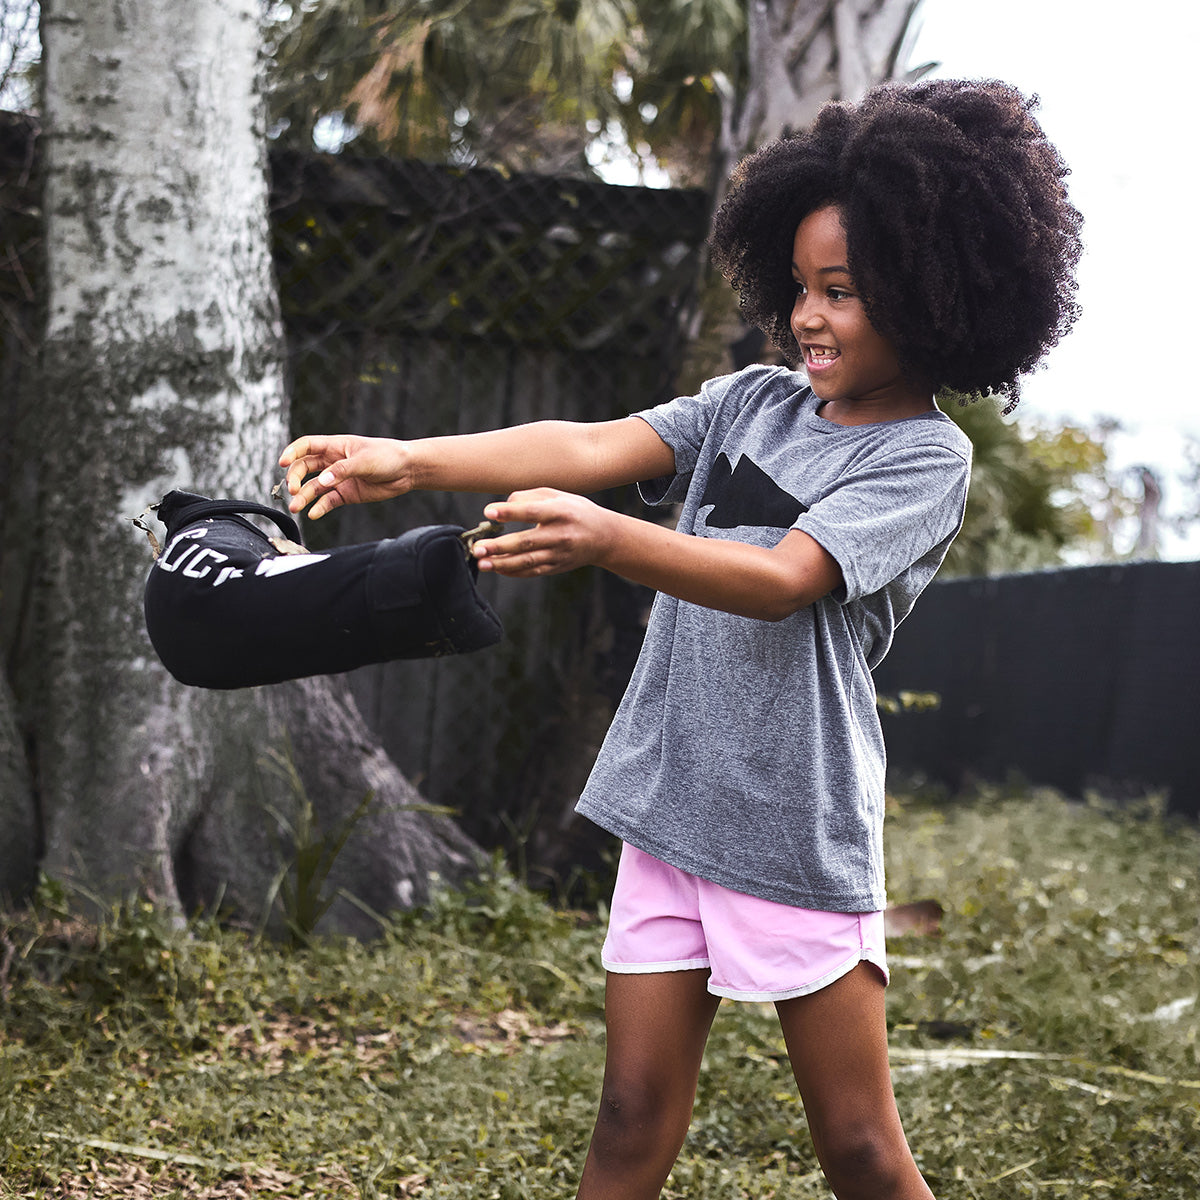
(806, 314)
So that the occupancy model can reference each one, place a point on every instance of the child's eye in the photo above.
(839, 294)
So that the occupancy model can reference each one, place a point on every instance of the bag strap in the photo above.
(177, 509)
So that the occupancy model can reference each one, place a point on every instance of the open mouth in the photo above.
(817, 358)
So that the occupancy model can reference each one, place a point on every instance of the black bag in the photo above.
(229, 607)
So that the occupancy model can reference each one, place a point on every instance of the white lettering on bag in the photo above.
(197, 562)
(287, 562)
(203, 553)
(167, 563)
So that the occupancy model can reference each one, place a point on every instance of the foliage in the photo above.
(519, 84)
(1191, 481)
(684, 62)
(299, 885)
(510, 83)
(908, 702)
(686, 85)
(1041, 494)
(1045, 1045)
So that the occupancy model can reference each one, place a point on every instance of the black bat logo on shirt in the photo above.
(747, 495)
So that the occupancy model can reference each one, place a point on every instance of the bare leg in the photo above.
(656, 1029)
(837, 1042)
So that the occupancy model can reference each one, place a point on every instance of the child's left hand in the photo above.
(568, 531)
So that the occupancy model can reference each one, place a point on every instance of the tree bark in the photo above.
(803, 53)
(162, 369)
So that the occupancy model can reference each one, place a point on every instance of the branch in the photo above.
(797, 34)
(853, 69)
(886, 35)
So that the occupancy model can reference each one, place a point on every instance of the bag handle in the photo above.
(176, 509)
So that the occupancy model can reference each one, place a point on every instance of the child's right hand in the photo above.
(329, 471)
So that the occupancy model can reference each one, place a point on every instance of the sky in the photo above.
(1118, 99)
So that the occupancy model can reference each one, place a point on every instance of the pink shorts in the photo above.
(663, 919)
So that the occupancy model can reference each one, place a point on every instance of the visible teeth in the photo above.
(821, 352)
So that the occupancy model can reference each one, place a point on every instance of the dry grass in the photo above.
(1044, 1045)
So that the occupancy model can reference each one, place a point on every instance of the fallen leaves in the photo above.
(509, 1028)
(276, 1042)
(117, 1176)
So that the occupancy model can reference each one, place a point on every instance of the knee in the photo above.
(636, 1124)
(863, 1161)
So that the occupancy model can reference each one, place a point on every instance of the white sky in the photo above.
(1117, 90)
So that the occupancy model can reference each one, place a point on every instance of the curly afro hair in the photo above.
(959, 231)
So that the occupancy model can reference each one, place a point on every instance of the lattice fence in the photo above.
(425, 300)
(446, 252)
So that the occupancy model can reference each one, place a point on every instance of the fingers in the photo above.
(297, 449)
(530, 507)
(524, 552)
(518, 554)
(308, 454)
(561, 537)
(327, 472)
(314, 470)
(312, 459)
(322, 505)
(322, 471)
(319, 490)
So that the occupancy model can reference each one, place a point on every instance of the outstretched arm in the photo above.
(327, 472)
(570, 531)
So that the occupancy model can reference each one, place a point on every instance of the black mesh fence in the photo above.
(1079, 679)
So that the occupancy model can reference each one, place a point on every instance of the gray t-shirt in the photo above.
(749, 752)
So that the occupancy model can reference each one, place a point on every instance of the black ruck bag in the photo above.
(227, 606)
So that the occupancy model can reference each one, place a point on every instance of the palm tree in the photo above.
(692, 85)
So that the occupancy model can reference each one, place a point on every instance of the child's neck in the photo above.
(873, 411)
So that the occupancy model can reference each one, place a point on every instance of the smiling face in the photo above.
(850, 365)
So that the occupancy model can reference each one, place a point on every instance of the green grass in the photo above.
(1044, 1045)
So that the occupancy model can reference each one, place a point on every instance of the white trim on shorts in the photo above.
(727, 993)
(655, 968)
(806, 989)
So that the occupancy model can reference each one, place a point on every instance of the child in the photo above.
(919, 239)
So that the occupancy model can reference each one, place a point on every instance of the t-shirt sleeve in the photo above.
(881, 519)
(684, 423)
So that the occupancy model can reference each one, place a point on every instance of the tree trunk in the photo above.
(162, 369)
(803, 53)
